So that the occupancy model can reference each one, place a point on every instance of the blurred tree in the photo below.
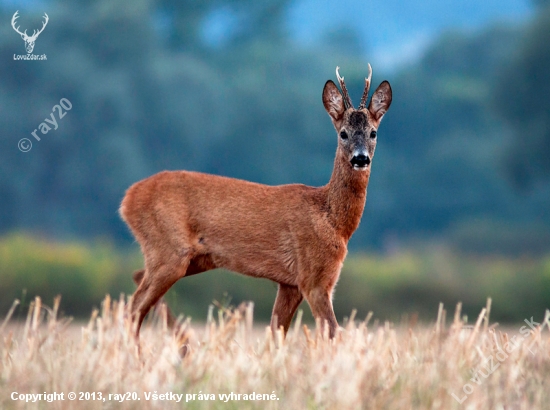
(255, 19)
(343, 40)
(521, 98)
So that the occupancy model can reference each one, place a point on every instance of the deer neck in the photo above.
(346, 195)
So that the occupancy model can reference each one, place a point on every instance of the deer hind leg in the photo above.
(170, 318)
(287, 301)
(194, 266)
(156, 281)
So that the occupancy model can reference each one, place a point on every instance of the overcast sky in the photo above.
(396, 31)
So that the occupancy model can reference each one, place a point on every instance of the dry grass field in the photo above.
(229, 363)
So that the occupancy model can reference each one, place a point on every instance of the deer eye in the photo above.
(344, 135)
(373, 134)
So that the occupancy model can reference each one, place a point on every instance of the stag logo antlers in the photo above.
(29, 40)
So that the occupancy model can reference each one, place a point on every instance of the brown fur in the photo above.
(295, 235)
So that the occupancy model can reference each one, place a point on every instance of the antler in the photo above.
(44, 24)
(363, 103)
(13, 21)
(347, 100)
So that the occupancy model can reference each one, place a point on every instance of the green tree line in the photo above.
(407, 283)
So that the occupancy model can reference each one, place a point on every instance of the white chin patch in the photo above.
(358, 168)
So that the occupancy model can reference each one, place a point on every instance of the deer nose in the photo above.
(360, 160)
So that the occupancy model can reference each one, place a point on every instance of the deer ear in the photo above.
(380, 101)
(334, 103)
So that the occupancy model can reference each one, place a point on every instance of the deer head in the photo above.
(356, 128)
(29, 40)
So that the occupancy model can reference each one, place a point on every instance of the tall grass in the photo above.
(367, 366)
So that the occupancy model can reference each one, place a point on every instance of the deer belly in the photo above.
(258, 262)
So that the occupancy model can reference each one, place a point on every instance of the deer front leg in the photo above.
(320, 302)
(287, 301)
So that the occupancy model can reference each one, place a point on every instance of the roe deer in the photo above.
(296, 235)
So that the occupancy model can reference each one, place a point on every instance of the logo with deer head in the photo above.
(29, 40)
